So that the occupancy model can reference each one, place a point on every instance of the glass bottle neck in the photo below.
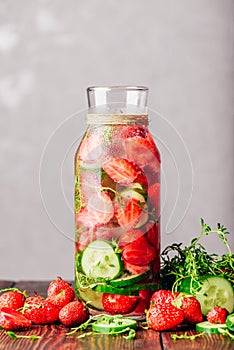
(117, 105)
(117, 99)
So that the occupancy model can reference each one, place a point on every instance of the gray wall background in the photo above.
(50, 51)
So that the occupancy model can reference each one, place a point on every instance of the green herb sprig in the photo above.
(13, 335)
(194, 261)
(103, 318)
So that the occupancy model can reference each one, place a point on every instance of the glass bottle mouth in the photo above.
(122, 99)
(118, 87)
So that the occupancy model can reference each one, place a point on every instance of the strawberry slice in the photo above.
(152, 230)
(91, 148)
(129, 237)
(136, 270)
(141, 151)
(119, 304)
(144, 302)
(128, 213)
(127, 131)
(89, 183)
(120, 170)
(154, 196)
(100, 208)
(139, 252)
(86, 219)
(11, 319)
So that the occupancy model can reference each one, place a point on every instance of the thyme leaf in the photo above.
(193, 261)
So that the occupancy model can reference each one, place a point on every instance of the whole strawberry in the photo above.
(11, 320)
(60, 293)
(162, 296)
(217, 314)
(40, 311)
(117, 303)
(12, 299)
(74, 313)
(192, 310)
(163, 317)
(162, 314)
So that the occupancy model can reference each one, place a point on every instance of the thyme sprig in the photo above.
(106, 319)
(13, 335)
(194, 261)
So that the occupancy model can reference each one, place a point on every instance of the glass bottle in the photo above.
(117, 203)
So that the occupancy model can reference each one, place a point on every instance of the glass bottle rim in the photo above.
(119, 87)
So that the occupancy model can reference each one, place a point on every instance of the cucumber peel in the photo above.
(211, 328)
(213, 291)
(113, 324)
(230, 322)
(129, 290)
(129, 280)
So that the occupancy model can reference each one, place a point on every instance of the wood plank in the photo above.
(54, 337)
(33, 286)
(206, 341)
(6, 284)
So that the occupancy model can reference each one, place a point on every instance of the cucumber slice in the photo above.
(91, 298)
(230, 322)
(143, 218)
(215, 291)
(133, 193)
(106, 288)
(146, 286)
(129, 280)
(100, 260)
(130, 290)
(112, 324)
(211, 328)
(137, 186)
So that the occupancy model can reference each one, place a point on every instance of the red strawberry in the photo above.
(217, 314)
(100, 208)
(141, 151)
(85, 236)
(11, 320)
(40, 311)
(134, 269)
(129, 237)
(85, 219)
(152, 230)
(127, 131)
(128, 213)
(144, 302)
(142, 179)
(73, 313)
(60, 293)
(161, 317)
(191, 309)
(162, 314)
(139, 252)
(120, 170)
(154, 196)
(12, 299)
(161, 297)
(116, 303)
(89, 183)
(91, 148)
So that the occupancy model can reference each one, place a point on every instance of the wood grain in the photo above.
(53, 337)
(206, 341)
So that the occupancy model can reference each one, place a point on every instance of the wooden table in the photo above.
(54, 336)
